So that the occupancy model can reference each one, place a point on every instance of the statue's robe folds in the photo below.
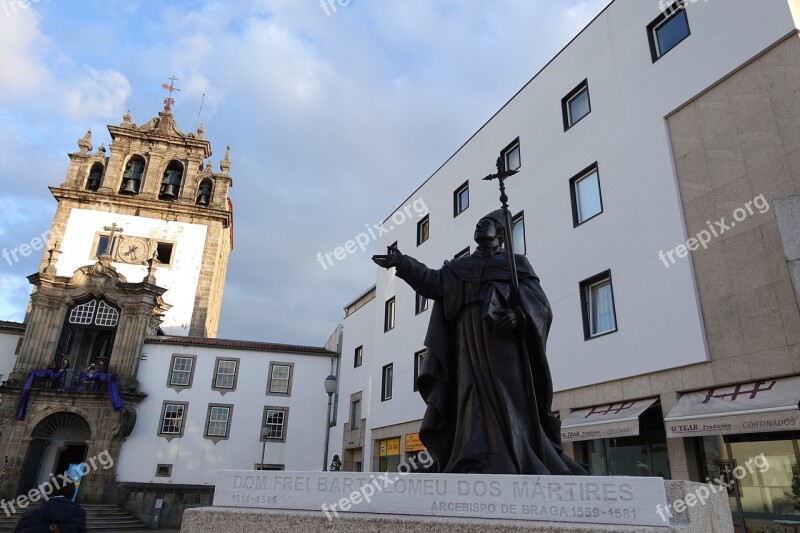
(488, 409)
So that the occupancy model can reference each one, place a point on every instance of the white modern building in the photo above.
(658, 160)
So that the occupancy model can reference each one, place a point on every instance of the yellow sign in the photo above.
(413, 444)
(389, 447)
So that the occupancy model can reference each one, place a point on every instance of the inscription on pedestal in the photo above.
(576, 499)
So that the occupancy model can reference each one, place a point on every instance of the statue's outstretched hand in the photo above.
(391, 259)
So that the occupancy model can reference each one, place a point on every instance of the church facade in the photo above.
(117, 363)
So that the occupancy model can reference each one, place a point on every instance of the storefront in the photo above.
(414, 448)
(621, 439)
(748, 436)
(388, 455)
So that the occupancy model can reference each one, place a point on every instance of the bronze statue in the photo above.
(485, 377)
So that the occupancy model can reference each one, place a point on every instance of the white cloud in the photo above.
(21, 43)
(97, 94)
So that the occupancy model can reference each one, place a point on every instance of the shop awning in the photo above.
(756, 407)
(605, 421)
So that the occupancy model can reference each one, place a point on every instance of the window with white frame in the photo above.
(280, 378)
(274, 426)
(386, 382)
(668, 30)
(172, 419)
(182, 370)
(218, 421)
(423, 229)
(419, 357)
(388, 315)
(597, 301)
(225, 376)
(462, 253)
(587, 201)
(421, 304)
(518, 233)
(358, 357)
(512, 157)
(461, 199)
(576, 105)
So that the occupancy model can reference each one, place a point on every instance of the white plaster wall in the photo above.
(180, 279)
(195, 459)
(358, 331)
(8, 344)
(660, 325)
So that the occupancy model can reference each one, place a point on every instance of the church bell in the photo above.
(202, 199)
(169, 192)
(129, 187)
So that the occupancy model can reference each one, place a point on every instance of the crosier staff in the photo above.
(501, 176)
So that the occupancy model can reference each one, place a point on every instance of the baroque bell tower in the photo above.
(139, 247)
(158, 190)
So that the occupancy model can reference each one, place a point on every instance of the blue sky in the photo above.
(333, 119)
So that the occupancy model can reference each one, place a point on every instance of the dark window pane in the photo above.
(671, 32)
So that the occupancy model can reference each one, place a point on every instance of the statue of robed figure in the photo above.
(485, 377)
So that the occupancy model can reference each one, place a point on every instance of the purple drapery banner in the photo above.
(113, 388)
(34, 374)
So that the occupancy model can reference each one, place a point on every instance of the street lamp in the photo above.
(330, 388)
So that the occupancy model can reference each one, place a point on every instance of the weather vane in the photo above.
(169, 101)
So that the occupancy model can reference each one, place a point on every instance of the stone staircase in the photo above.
(99, 518)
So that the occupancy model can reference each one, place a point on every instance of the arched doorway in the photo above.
(58, 441)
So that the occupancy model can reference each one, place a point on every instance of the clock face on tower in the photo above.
(133, 250)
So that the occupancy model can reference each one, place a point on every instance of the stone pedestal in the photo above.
(249, 501)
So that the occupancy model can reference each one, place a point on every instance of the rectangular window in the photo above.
(422, 304)
(274, 427)
(388, 315)
(225, 374)
(576, 105)
(423, 229)
(462, 253)
(269, 466)
(182, 371)
(172, 419)
(518, 233)
(163, 470)
(597, 302)
(355, 414)
(668, 30)
(280, 378)
(218, 421)
(587, 202)
(358, 358)
(164, 252)
(386, 382)
(461, 199)
(511, 156)
(102, 245)
(418, 358)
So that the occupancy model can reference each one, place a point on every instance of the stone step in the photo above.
(99, 519)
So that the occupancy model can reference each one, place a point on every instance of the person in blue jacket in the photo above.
(58, 511)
